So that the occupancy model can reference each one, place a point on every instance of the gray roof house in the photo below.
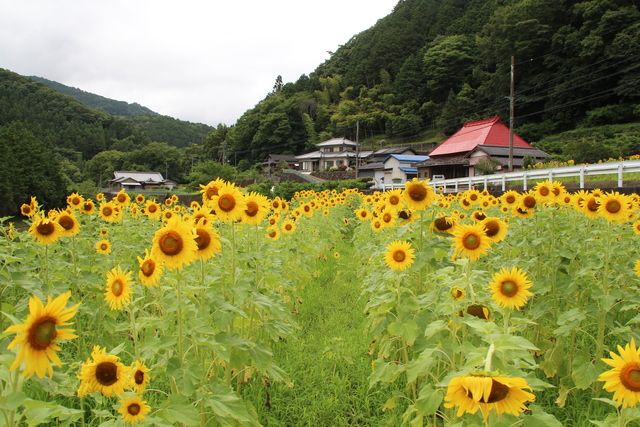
(139, 181)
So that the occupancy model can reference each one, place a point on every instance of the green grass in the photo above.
(328, 360)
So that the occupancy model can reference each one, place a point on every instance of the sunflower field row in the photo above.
(482, 310)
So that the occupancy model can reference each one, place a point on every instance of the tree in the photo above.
(486, 166)
(205, 172)
(29, 169)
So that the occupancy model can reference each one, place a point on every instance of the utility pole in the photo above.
(511, 113)
(357, 147)
(166, 170)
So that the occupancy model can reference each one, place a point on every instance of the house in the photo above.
(373, 167)
(334, 152)
(457, 156)
(399, 168)
(139, 181)
(273, 160)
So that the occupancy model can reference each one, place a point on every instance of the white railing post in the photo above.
(504, 182)
(620, 168)
(582, 176)
(524, 181)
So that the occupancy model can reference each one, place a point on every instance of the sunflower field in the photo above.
(408, 307)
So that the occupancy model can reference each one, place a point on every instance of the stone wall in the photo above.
(335, 176)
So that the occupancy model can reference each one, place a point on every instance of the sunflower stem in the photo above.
(134, 332)
(622, 419)
(605, 291)
(468, 277)
(506, 318)
(179, 299)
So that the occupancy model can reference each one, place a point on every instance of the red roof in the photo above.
(487, 132)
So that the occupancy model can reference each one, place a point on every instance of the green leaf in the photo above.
(429, 400)
(178, 409)
(435, 327)
(584, 375)
(540, 418)
(225, 404)
(408, 331)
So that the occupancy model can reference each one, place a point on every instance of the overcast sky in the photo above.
(195, 60)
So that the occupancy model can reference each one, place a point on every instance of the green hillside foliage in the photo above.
(434, 64)
(177, 133)
(97, 102)
(60, 121)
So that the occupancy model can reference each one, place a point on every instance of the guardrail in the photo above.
(501, 179)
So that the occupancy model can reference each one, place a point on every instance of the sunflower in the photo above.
(104, 373)
(510, 288)
(140, 199)
(509, 198)
(377, 225)
(150, 270)
(100, 197)
(27, 210)
(133, 409)
(444, 224)
(229, 204)
(545, 191)
(470, 240)
(45, 230)
(118, 286)
(202, 214)
(103, 247)
(69, 223)
(75, 201)
(108, 212)
(636, 268)
(624, 379)
(37, 338)
(590, 206)
(336, 255)
(273, 233)
(207, 239)
(399, 255)
(257, 208)
(479, 311)
(457, 293)
(88, 207)
(152, 209)
(122, 199)
(522, 213)
(478, 216)
(288, 226)
(528, 201)
(486, 391)
(174, 244)
(211, 189)
(417, 194)
(495, 228)
(362, 213)
(140, 377)
(394, 199)
(615, 207)
(388, 217)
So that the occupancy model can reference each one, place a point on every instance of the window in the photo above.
(328, 163)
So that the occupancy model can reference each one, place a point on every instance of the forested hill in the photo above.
(437, 63)
(109, 106)
(159, 128)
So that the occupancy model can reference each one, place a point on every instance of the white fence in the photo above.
(502, 179)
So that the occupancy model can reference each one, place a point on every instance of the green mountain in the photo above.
(177, 133)
(434, 64)
(97, 102)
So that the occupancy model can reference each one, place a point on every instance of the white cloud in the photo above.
(196, 60)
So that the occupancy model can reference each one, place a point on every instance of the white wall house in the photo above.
(399, 167)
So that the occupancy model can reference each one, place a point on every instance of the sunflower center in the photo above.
(509, 288)
(203, 240)
(117, 287)
(386, 217)
(104, 246)
(273, 234)
(107, 373)
(75, 201)
(593, 204)
(473, 197)
(138, 377)
(252, 209)
(457, 293)
(148, 267)
(288, 227)
(404, 214)
(417, 193)
(394, 200)
(399, 256)
(479, 216)
(511, 199)
(171, 243)
(227, 202)
(499, 391)
(630, 376)
(529, 202)
(87, 206)
(471, 241)
(107, 211)
(441, 224)
(122, 198)
(42, 334)
(613, 206)
(544, 191)
(45, 229)
(478, 311)
(152, 208)
(492, 228)
(66, 222)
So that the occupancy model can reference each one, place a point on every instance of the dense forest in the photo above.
(421, 71)
(433, 64)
